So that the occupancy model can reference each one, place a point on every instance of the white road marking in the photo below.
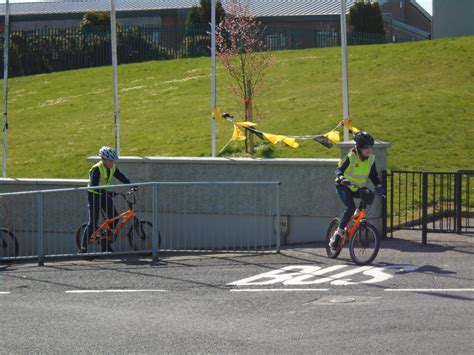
(278, 289)
(112, 291)
(4, 293)
(429, 289)
(298, 275)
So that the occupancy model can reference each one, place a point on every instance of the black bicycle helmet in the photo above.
(363, 140)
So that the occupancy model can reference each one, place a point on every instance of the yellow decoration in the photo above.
(290, 141)
(348, 124)
(245, 124)
(240, 129)
(238, 135)
(333, 136)
(217, 113)
(274, 139)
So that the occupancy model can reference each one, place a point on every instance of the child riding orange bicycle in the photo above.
(138, 231)
(351, 176)
(101, 174)
(363, 238)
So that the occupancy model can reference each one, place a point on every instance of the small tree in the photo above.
(201, 15)
(94, 19)
(366, 17)
(241, 49)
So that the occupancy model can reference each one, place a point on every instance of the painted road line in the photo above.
(278, 289)
(112, 291)
(429, 290)
(4, 293)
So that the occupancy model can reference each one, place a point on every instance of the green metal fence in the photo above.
(46, 51)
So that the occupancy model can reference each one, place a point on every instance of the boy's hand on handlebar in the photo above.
(344, 182)
(341, 180)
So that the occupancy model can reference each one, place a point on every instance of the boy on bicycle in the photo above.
(351, 174)
(100, 199)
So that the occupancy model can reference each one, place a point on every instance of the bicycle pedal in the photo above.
(94, 240)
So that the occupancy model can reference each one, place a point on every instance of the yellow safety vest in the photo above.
(358, 170)
(104, 177)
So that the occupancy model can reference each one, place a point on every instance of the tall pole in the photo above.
(345, 85)
(113, 35)
(5, 88)
(213, 63)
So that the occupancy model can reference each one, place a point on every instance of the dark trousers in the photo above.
(347, 198)
(97, 203)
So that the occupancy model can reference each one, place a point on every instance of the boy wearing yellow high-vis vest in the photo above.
(101, 174)
(352, 173)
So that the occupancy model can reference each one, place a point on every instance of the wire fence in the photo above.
(434, 202)
(51, 50)
(173, 216)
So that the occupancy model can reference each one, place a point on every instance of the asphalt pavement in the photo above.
(413, 299)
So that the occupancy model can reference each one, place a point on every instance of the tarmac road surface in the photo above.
(413, 299)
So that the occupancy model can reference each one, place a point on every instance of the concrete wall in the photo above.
(307, 194)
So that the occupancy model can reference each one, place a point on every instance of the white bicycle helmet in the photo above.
(108, 153)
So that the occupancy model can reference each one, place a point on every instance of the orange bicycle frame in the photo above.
(124, 217)
(356, 218)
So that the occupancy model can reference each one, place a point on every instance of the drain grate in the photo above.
(343, 299)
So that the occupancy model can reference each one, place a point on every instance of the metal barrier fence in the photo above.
(185, 216)
(51, 50)
(435, 202)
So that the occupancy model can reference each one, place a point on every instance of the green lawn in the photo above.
(418, 96)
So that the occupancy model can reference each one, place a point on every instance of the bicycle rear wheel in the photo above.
(331, 229)
(140, 235)
(364, 245)
(8, 244)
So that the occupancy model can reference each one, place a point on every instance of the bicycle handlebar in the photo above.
(365, 188)
(129, 196)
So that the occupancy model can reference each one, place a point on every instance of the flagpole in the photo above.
(345, 85)
(213, 64)
(5, 88)
(113, 35)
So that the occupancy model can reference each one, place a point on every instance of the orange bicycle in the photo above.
(139, 233)
(364, 240)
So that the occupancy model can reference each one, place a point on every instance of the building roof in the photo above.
(421, 9)
(259, 8)
(410, 29)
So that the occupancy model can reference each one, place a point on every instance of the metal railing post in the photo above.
(424, 209)
(391, 203)
(278, 240)
(155, 222)
(40, 230)
(384, 206)
(458, 201)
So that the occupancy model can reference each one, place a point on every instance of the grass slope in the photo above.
(417, 96)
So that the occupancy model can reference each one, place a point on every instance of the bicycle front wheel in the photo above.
(8, 244)
(364, 245)
(140, 235)
(330, 232)
(80, 234)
